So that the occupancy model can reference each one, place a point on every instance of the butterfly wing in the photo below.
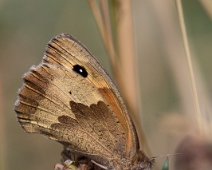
(71, 99)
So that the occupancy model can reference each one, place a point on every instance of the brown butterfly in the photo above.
(70, 98)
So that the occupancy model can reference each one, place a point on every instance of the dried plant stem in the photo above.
(103, 21)
(128, 67)
(126, 51)
(207, 4)
(191, 70)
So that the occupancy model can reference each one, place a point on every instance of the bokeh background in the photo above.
(27, 26)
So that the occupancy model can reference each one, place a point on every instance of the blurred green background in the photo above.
(27, 26)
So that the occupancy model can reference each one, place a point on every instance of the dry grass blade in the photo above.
(108, 36)
(199, 115)
(103, 21)
(207, 4)
(126, 51)
(128, 60)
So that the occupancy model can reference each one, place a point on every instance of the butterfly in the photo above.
(71, 99)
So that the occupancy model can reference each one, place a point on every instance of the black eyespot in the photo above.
(80, 70)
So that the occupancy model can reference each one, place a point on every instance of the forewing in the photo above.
(84, 111)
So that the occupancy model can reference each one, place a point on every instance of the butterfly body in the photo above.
(71, 99)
